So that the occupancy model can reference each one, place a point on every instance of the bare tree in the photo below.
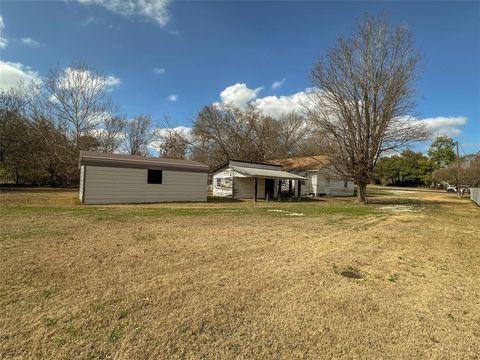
(139, 135)
(364, 101)
(291, 133)
(110, 136)
(468, 173)
(174, 143)
(74, 99)
(228, 131)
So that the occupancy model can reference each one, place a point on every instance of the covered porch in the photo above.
(265, 183)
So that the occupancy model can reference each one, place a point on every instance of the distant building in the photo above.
(252, 180)
(321, 178)
(114, 179)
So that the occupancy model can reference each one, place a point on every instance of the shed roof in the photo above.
(305, 163)
(267, 173)
(140, 162)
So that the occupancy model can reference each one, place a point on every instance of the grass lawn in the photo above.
(397, 279)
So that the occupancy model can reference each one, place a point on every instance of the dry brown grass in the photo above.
(234, 280)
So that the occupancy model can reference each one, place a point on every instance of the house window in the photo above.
(154, 176)
(345, 183)
(219, 183)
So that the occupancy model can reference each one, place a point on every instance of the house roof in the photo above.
(305, 163)
(267, 173)
(245, 163)
(139, 162)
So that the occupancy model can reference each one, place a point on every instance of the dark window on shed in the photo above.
(155, 176)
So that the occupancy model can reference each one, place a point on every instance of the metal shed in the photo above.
(115, 179)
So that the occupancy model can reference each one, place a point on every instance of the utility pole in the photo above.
(458, 172)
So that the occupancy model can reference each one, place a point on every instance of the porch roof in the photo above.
(267, 174)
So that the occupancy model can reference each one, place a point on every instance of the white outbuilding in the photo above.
(253, 180)
(115, 179)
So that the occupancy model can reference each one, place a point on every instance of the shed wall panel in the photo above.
(475, 195)
(109, 185)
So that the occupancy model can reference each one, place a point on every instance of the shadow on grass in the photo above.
(380, 200)
(222, 200)
(227, 200)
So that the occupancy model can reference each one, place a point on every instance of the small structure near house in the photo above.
(115, 179)
(322, 180)
(475, 195)
(255, 180)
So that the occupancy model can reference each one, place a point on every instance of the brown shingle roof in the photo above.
(303, 163)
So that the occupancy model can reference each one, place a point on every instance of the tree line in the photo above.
(434, 169)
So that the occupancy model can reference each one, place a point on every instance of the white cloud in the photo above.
(186, 131)
(112, 81)
(277, 106)
(14, 73)
(3, 41)
(278, 83)
(173, 98)
(239, 95)
(153, 10)
(159, 71)
(30, 42)
(72, 77)
(444, 125)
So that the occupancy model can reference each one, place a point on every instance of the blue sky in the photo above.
(205, 52)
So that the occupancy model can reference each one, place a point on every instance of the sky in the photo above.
(168, 59)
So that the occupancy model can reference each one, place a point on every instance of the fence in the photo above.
(475, 195)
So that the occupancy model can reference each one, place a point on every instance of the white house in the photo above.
(322, 180)
(109, 179)
(255, 180)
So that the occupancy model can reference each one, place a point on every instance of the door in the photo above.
(269, 188)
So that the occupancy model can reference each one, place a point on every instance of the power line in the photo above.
(464, 153)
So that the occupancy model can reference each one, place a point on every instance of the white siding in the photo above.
(331, 184)
(80, 193)
(224, 186)
(475, 195)
(325, 181)
(108, 185)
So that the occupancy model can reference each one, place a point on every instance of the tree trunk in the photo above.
(362, 193)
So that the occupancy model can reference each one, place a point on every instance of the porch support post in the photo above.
(279, 194)
(289, 188)
(254, 189)
(299, 189)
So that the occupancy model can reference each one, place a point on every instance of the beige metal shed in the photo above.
(118, 178)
